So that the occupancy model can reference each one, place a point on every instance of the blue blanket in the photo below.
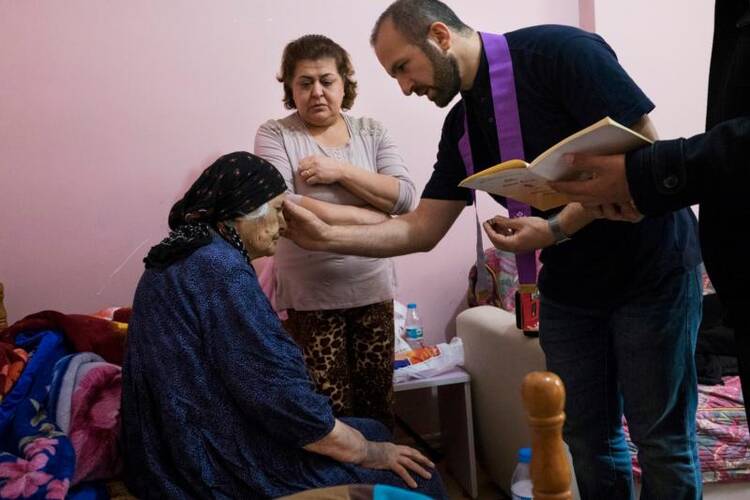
(36, 459)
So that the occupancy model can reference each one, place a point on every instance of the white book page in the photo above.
(610, 138)
(520, 184)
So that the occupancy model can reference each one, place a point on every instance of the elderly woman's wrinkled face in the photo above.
(261, 234)
(318, 91)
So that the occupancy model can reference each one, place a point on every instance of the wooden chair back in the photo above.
(544, 399)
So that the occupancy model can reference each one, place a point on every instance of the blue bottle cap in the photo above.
(524, 455)
(411, 306)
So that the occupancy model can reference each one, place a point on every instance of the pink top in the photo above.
(309, 281)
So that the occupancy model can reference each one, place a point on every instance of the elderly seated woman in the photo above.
(216, 399)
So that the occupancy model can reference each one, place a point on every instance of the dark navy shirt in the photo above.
(567, 79)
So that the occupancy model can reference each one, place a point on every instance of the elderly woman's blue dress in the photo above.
(216, 399)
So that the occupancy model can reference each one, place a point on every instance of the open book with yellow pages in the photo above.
(527, 182)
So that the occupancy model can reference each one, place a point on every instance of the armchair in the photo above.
(498, 356)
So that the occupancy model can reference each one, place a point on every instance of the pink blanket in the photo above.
(95, 423)
(723, 438)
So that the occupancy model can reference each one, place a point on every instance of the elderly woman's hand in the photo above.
(319, 169)
(346, 444)
(397, 458)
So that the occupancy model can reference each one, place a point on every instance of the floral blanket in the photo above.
(723, 438)
(59, 405)
(37, 460)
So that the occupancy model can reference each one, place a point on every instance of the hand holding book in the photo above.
(529, 182)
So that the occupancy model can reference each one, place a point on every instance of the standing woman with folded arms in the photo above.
(347, 170)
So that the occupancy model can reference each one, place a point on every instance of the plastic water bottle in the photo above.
(413, 326)
(520, 484)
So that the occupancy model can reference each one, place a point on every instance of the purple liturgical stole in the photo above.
(509, 140)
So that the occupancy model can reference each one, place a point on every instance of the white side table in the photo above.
(456, 423)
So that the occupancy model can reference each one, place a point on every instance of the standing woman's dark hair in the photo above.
(314, 47)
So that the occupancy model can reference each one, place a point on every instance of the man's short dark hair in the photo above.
(316, 47)
(413, 18)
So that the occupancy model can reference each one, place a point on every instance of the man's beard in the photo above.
(446, 77)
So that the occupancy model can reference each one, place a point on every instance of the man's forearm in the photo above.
(574, 217)
(417, 231)
(397, 236)
(334, 214)
(681, 172)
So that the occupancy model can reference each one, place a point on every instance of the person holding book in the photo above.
(709, 169)
(530, 183)
(620, 302)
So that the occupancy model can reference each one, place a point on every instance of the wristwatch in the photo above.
(557, 232)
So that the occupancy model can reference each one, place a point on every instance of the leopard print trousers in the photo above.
(349, 354)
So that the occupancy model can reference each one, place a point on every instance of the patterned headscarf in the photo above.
(233, 186)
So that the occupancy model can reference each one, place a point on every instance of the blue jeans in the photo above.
(635, 359)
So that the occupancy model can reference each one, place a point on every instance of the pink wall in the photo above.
(666, 48)
(587, 14)
(109, 109)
